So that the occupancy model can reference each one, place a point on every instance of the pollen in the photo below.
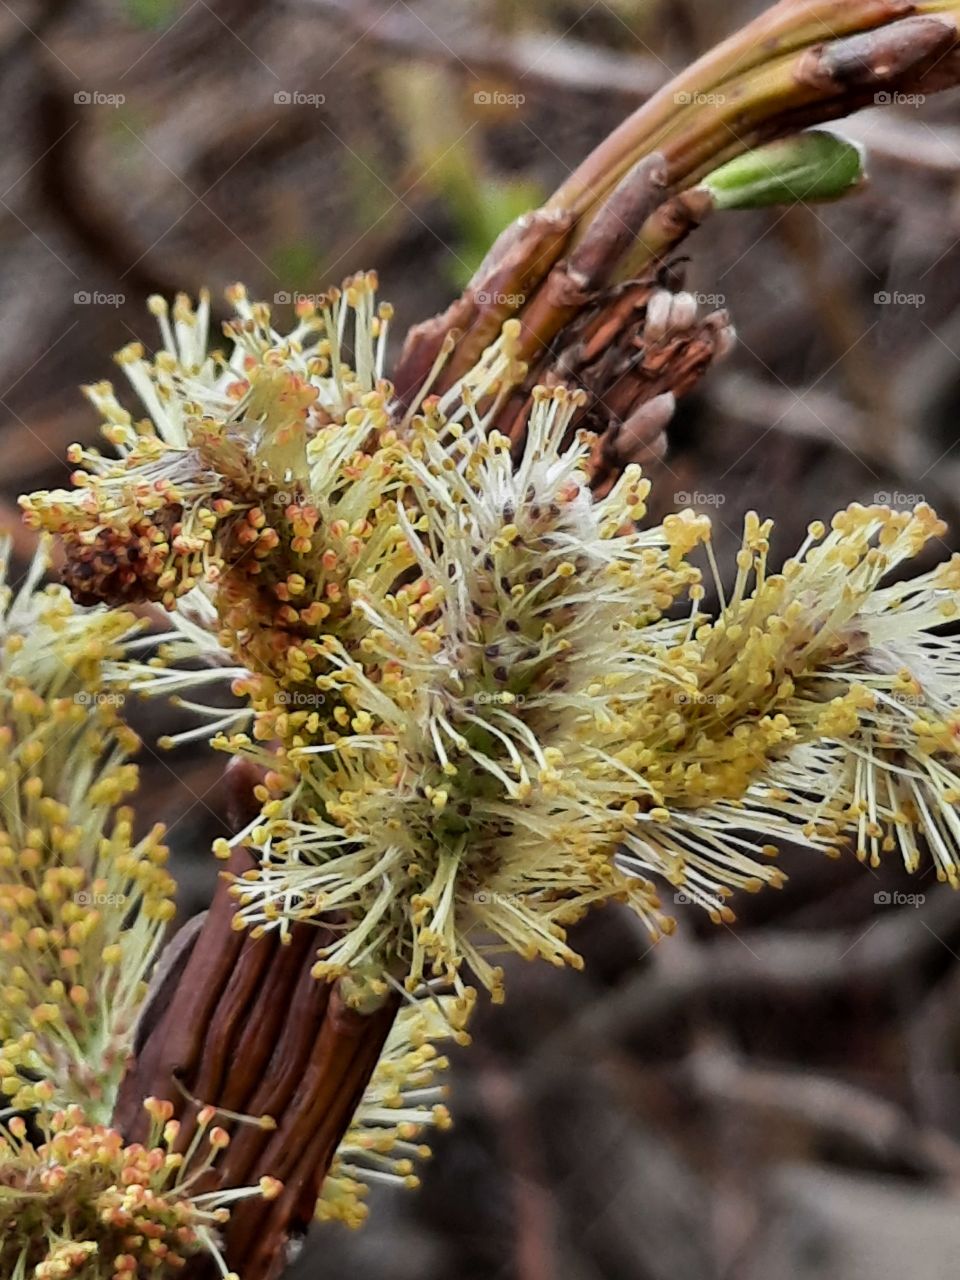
(82, 904)
(483, 699)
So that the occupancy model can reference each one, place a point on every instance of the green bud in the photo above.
(815, 165)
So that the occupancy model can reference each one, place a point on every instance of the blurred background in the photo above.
(774, 1100)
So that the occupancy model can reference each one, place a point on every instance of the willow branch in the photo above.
(240, 1023)
(624, 210)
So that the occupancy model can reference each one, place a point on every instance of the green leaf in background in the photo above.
(815, 165)
(298, 265)
(152, 14)
(442, 129)
(482, 205)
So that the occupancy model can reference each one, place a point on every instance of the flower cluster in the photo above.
(402, 1099)
(819, 706)
(185, 494)
(484, 699)
(82, 903)
(81, 1205)
(82, 911)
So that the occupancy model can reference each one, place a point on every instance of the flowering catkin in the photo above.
(485, 700)
(82, 903)
(82, 1205)
(82, 911)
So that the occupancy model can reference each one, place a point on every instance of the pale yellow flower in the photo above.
(484, 699)
(83, 904)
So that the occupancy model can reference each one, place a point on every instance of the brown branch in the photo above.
(342, 1060)
(635, 351)
(504, 1098)
(240, 1023)
(827, 1106)
(781, 73)
(67, 193)
(536, 59)
(520, 259)
(771, 962)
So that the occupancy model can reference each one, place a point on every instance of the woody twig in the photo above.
(621, 215)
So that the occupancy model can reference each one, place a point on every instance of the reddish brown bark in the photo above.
(245, 1026)
(631, 202)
